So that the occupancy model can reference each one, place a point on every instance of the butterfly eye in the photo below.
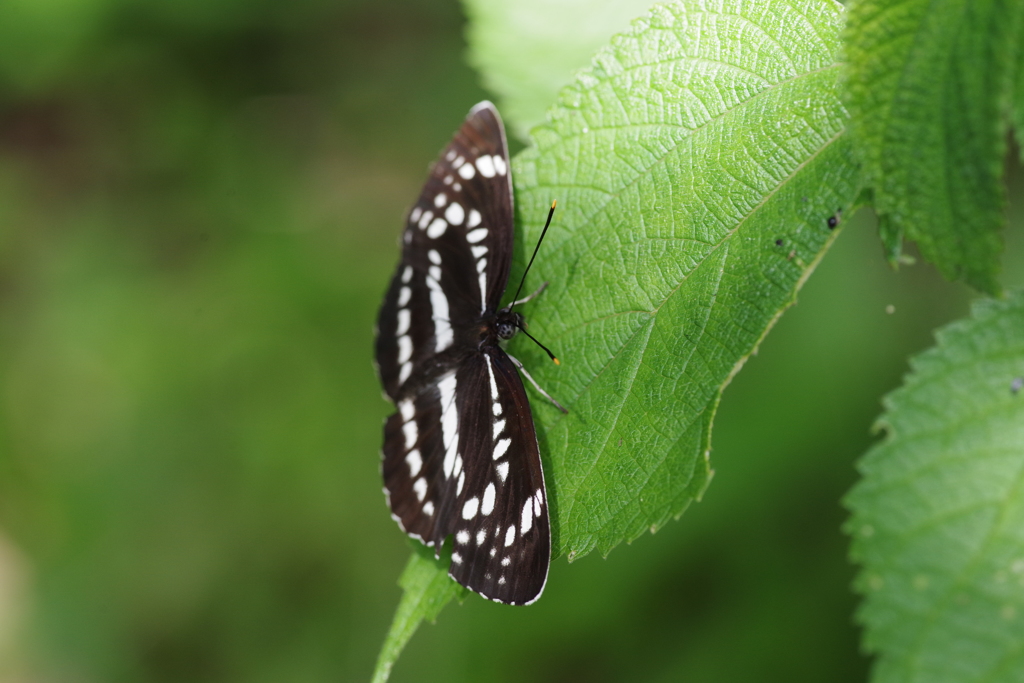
(506, 330)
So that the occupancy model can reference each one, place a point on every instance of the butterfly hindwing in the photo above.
(502, 536)
(462, 459)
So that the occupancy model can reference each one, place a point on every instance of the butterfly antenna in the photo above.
(535, 250)
(546, 349)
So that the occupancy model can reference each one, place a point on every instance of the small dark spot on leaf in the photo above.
(1017, 385)
(833, 221)
(779, 242)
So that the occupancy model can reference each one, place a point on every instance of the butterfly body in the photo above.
(460, 456)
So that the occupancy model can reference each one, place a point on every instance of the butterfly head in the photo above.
(507, 323)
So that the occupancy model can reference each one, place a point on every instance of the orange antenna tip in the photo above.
(557, 362)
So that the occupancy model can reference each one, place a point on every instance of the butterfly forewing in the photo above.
(460, 456)
(456, 251)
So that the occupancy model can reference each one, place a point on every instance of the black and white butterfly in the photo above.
(460, 456)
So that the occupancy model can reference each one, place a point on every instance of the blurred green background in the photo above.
(199, 205)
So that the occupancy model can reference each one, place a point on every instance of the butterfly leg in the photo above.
(537, 386)
(530, 297)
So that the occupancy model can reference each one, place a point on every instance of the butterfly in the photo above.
(460, 457)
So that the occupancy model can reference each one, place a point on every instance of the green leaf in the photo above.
(697, 165)
(526, 51)
(929, 86)
(938, 516)
(426, 589)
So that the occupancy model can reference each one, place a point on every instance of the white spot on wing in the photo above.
(449, 421)
(406, 275)
(404, 294)
(443, 334)
(404, 372)
(456, 558)
(499, 165)
(442, 328)
(467, 171)
(502, 468)
(411, 433)
(404, 348)
(485, 165)
(481, 536)
(462, 481)
(478, 251)
(487, 505)
(435, 257)
(462, 537)
(425, 219)
(407, 408)
(497, 409)
(435, 272)
(506, 561)
(501, 448)
(448, 180)
(490, 374)
(470, 508)
(474, 236)
(499, 425)
(415, 215)
(510, 535)
(415, 462)
(526, 519)
(403, 319)
(483, 291)
(481, 265)
(440, 200)
(428, 508)
(437, 228)
(501, 580)
(420, 487)
(474, 218)
(450, 155)
(455, 214)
